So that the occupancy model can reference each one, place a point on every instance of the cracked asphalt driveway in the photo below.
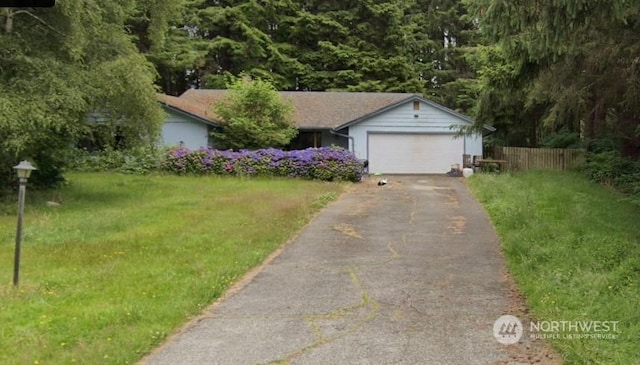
(407, 273)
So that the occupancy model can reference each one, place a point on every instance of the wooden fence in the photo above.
(522, 159)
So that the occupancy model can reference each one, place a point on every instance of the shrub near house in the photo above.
(325, 163)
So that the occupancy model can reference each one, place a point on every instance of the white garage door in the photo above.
(413, 153)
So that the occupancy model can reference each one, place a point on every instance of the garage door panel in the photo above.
(413, 153)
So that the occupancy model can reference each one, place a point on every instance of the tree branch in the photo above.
(36, 18)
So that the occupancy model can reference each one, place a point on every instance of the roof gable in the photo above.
(410, 99)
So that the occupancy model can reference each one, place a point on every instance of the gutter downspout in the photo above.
(351, 145)
(365, 163)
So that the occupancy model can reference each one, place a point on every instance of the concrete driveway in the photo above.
(407, 273)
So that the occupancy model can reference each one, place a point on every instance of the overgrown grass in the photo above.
(126, 259)
(573, 248)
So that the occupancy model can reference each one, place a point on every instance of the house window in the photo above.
(416, 105)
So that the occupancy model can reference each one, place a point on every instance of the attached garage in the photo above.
(413, 153)
(413, 136)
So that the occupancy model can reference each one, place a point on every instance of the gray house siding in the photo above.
(404, 119)
(181, 130)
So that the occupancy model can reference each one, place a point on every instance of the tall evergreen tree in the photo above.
(242, 37)
(358, 45)
(178, 54)
(453, 35)
(577, 61)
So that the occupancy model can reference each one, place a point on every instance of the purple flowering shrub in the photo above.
(324, 163)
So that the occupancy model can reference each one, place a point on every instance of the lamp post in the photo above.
(23, 170)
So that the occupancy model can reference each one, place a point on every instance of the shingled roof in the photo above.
(313, 110)
(195, 109)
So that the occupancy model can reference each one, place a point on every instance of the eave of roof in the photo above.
(185, 108)
(180, 111)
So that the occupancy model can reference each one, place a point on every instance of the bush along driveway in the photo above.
(324, 163)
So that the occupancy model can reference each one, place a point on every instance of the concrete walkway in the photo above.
(408, 273)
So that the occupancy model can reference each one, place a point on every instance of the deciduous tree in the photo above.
(253, 116)
(57, 66)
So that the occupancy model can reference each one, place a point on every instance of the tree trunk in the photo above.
(8, 20)
(595, 119)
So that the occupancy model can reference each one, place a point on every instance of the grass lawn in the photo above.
(573, 248)
(125, 259)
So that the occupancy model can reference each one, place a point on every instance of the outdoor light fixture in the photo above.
(23, 169)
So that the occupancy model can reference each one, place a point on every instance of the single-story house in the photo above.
(396, 132)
